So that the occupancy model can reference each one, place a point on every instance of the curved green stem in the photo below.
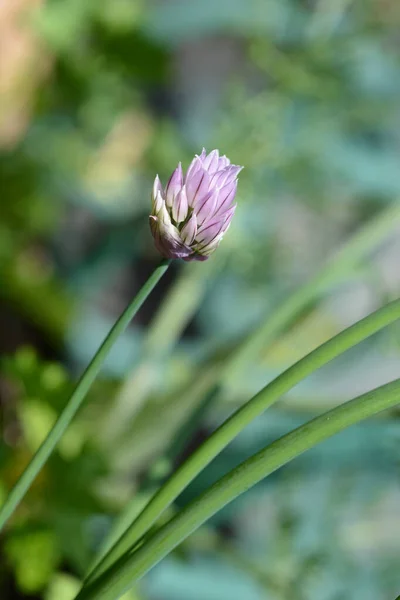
(163, 331)
(74, 403)
(239, 420)
(133, 565)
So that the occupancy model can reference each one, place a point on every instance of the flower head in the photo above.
(191, 215)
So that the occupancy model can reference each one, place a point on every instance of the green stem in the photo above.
(165, 328)
(134, 565)
(24, 482)
(239, 420)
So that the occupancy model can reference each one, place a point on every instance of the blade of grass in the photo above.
(240, 419)
(75, 401)
(133, 565)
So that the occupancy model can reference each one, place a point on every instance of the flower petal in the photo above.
(225, 176)
(223, 162)
(210, 163)
(219, 177)
(214, 227)
(209, 248)
(194, 166)
(197, 187)
(157, 187)
(180, 206)
(232, 172)
(189, 230)
(174, 185)
(228, 218)
(206, 234)
(167, 239)
(225, 197)
(205, 210)
(158, 203)
(203, 155)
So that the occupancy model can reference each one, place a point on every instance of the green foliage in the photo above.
(34, 556)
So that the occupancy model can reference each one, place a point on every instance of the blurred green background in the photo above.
(96, 97)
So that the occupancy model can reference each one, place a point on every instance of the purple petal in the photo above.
(223, 162)
(228, 218)
(219, 178)
(225, 176)
(197, 187)
(168, 245)
(209, 248)
(153, 221)
(203, 155)
(174, 185)
(157, 187)
(206, 208)
(180, 206)
(215, 227)
(210, 163)
(209, 231)
(225, 198)
(194, 166)
(170, 248)
(158, 203)
(188, 232)
(232, 172)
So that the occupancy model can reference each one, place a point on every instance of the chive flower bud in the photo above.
(191, 215)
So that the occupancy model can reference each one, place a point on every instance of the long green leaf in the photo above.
(240, 419)
(133, 565)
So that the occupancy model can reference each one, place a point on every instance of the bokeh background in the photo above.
(95, 99)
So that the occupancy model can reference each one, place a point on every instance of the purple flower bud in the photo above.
(190, 217)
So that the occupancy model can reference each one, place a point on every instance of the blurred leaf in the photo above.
(37, 418)
(34, 557)
(62, 587)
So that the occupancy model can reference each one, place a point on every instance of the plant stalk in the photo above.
(74, 403)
